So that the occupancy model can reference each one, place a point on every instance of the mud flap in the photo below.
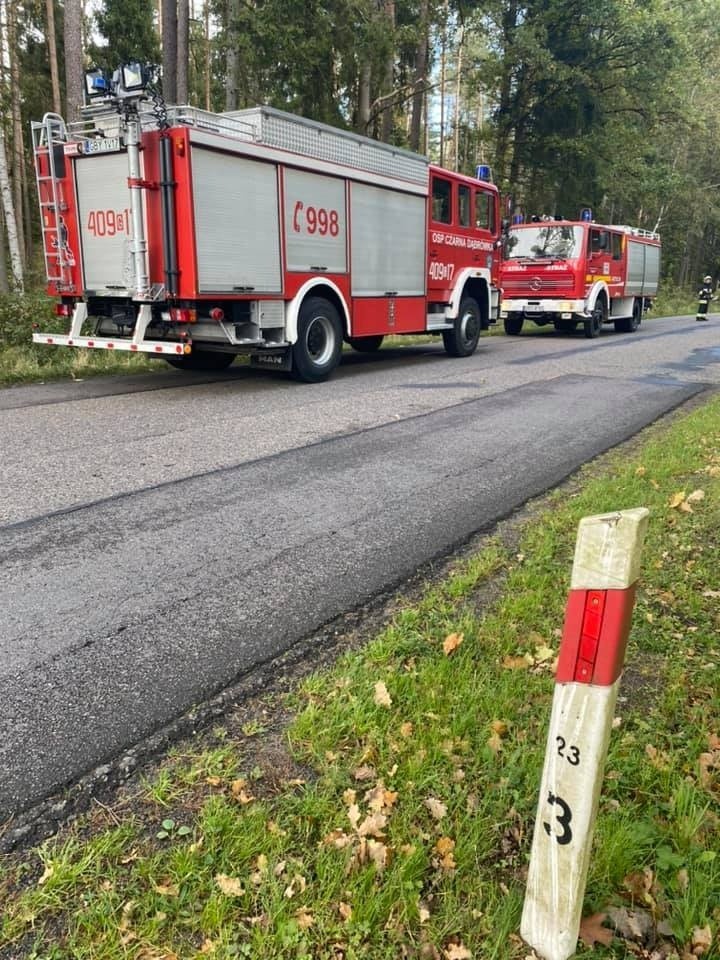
(273, 359)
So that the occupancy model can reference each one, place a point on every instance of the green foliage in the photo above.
(18, 312)
(128, 28)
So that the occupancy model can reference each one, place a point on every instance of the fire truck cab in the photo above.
(572, 273)
(198, 237)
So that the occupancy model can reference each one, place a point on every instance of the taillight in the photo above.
(63, 310)
(183, 315)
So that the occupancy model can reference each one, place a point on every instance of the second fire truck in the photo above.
(578, 273)
(198, 237)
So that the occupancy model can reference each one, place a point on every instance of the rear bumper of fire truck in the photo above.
(113, 343)
(135, 342)
(566, 309)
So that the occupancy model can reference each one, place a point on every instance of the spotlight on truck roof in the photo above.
(134, 77)
(97, 83)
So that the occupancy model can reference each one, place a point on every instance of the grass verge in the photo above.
(393, 817)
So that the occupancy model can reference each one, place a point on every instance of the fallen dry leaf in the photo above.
(445, 847)
(517, 663)
(676, 499)
(382, 698)
(696, 496)
(167, 889)
(304, 918)
(436, 807)
(592, 930)
(452, 642)
(230, 886)
(364, 772)
(457, 951)
(495, 742)
(658, 758)
(338, 839)
(378, 853)
(701, 940)
(345, 910)
(543, 653)
(373, 825)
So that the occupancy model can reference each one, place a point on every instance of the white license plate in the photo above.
(533, 308)
(101, 145)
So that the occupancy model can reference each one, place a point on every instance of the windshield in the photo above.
(549, 240)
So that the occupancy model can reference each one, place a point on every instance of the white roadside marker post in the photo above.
(592, 651)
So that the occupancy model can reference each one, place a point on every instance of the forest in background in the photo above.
(609, 104)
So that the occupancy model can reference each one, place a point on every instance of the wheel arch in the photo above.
(598, 291)
(475, 284)
(316, 287)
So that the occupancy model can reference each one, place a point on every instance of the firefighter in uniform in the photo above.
(705, 295)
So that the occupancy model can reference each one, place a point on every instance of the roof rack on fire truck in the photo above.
(269, 127)
(636, 231)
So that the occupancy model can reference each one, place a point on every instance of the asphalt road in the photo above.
(160, 535)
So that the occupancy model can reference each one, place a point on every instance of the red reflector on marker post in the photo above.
(592, 653)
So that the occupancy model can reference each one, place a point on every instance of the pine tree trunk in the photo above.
(419, 79)
(232, 60)
(207, 55)
(169, 50)
(443, 59)
(10, 223)
(386, 126)
(74, 73)
(363, 110)
(53, 56)
(183, 37)
(458, 74)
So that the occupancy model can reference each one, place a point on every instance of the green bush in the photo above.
(19, 311)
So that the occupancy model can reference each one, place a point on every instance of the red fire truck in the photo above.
(569, 272)
(198, 237)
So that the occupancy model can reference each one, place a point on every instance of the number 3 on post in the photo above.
(592, 651)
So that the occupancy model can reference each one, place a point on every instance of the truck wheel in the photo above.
(316, 352)
(513, 324)
(630, 324)
(593, 325)
(366, 344)
(462, 340)
(206, 360)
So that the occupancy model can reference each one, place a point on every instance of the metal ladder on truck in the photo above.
(49, 139)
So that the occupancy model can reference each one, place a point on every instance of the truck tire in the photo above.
(462, 340)
(630, 324)
(206, 360)
(513, 324)
(316, 352)
(366, 344)
(593, 325)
